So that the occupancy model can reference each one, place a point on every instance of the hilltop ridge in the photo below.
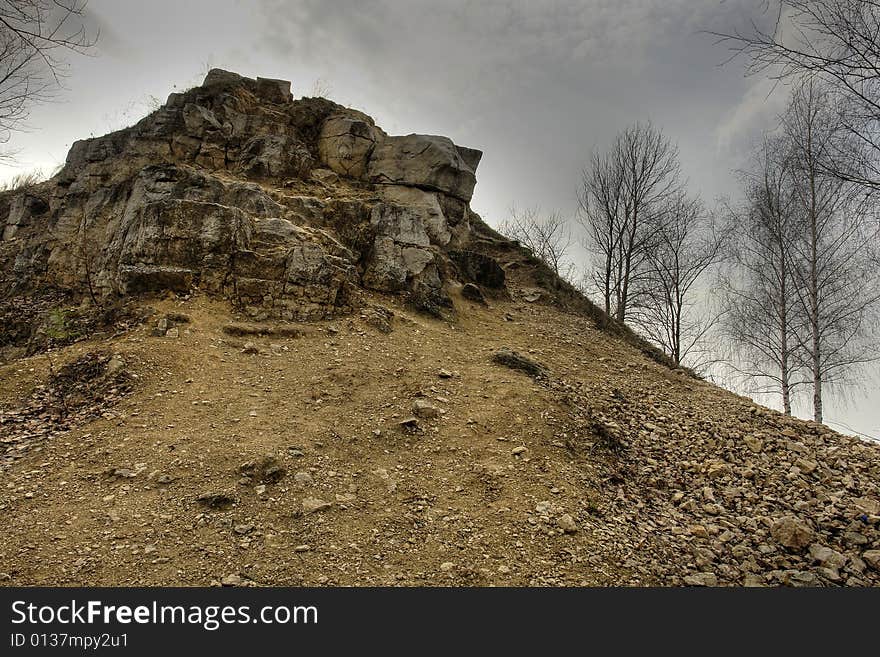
(253, 340)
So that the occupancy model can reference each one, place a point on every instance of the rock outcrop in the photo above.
(283, 206)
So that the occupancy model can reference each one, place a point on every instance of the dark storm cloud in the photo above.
(536, 85)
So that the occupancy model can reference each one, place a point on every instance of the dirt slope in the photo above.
(610, 470)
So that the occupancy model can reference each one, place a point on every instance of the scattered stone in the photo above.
(831, 574)
(753, 443)
(566, 523)
(164, 479)
(517, 451)
(232, 580)
(379, 317)
(701, 579)
(266, 470)
(116, 365)
(172, 333)
(250, 348)
(444, 374)
(867, 505)
(806, 466)
(303, 479)
(446, 566)
(716, 468)
(517, 361)
(753, 580)
(302, 548)
(425, 409)
(273, 474)
(872, 558)
(792, 533)
(244, 528)
(827, 557)
(314, 505)
(799, 578)
(217, 501)
(409, 424)
(699, 531)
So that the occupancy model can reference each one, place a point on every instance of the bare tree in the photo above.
(547, 236)
(623, 198)
(600, 213)
(837, 42)
(672, 313)
(836, 287)
(33, 36)
(762, 316)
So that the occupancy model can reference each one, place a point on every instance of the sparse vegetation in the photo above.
(23, 181)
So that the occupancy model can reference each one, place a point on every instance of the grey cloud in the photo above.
(537, 85)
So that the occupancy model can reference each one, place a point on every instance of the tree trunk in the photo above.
(814, 298)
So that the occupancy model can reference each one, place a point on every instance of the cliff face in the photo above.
(285, 207)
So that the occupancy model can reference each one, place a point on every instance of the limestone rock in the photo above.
(566, 523)
(827, 557)
(346, 142)
(158, 208)
(701, 579)
(426, 409)
(792, 533)
(517, 361)
(314, 505)
(424, 161)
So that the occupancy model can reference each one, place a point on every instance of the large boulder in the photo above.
(268, 89)
(425, 161)
(346, 142)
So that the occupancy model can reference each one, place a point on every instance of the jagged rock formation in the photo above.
(283, 206)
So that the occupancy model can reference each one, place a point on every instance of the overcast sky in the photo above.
(535, 85)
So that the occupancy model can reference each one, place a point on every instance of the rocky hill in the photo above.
(254, 340)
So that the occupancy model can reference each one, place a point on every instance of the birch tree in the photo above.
(762, 315)
(672, 313)
(835, 42)
(836, 287)
(623, 199)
